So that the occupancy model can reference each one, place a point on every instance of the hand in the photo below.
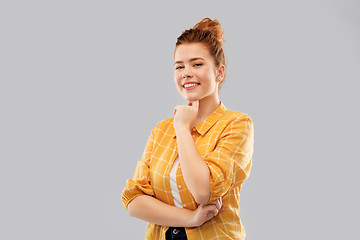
(218, 204)
(185, 115)
(203, 214)
(206, 212)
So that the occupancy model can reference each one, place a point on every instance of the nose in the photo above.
(187, 74)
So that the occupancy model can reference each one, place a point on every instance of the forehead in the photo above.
(187, 51)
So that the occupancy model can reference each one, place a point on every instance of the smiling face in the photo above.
(195, 74)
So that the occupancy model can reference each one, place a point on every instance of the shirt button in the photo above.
(193, 136)
(179, 186)
(184, 205)
(194, 129)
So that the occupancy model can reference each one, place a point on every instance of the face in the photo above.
(195, 74)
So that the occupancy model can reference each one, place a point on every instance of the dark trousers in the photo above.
(176, 233)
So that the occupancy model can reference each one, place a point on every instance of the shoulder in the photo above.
(164, 126)
(231, 116)
(164, 123)
(239, 124)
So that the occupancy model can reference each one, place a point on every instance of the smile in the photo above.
(190, 85)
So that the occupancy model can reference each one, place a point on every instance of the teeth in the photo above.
(190, 85)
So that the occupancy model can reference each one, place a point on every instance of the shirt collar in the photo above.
(205, 125)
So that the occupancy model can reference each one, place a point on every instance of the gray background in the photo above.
(84, 82)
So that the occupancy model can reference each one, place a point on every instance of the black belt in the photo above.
(178, 233)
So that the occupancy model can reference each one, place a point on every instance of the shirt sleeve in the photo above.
(140, 183)
(230, 162)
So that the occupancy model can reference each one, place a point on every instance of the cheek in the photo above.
(177, 79)
(207, 73)
(209, 77)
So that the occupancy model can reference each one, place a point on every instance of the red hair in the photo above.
(208, 32)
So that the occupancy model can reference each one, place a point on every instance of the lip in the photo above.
(192, 87)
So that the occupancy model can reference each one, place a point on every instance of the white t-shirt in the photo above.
(173, 184)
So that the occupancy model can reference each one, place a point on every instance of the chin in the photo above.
(191, 98)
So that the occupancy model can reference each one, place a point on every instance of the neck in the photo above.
(206, 107)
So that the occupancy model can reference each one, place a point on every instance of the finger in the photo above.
(210, 208)
(209, 216)
(217, 203)
(213, 209)
(216, 211)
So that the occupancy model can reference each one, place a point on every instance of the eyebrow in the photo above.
(191, 60)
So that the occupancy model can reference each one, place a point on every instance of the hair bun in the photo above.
(213, 26)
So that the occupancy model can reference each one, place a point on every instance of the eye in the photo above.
(179, 67)
(198, 64)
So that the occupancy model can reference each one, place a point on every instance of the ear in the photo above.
(221, 73)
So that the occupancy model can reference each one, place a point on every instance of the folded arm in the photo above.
(155, 211)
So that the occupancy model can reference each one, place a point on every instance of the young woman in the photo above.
(187, 184)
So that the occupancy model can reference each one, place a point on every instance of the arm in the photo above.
(153, 210)
(138, 199)
(228, 164)
(195, 171)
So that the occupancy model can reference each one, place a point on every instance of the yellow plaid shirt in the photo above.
(225, 142)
